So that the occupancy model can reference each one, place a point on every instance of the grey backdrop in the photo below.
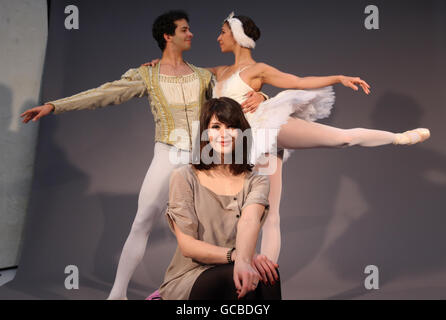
(342, 209)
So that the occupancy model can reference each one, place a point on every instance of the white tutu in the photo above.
(309, 105)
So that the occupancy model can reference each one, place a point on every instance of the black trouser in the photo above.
(217, 283)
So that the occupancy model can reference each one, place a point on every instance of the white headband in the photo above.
(238, 33)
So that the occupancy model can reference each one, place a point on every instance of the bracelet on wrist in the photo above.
(229, 255)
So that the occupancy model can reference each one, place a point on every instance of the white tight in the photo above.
(152, 201)
(301, 134)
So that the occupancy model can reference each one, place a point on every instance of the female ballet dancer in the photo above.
(291, 115)
(291, 111)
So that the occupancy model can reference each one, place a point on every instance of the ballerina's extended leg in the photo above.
(300, 134)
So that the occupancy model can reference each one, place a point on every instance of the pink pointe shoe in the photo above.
(154, 296)
(412, 136)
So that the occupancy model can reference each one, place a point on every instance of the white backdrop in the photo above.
(23, 36)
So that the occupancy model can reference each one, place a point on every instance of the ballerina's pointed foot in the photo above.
(412, 136)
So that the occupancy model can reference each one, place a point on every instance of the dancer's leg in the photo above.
(299, 134)
(152, 201)
(271, 242)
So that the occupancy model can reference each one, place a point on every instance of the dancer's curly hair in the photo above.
(165, 24)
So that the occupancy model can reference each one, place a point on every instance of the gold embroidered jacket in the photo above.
(138, 82)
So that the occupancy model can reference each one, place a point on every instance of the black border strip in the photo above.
(8, 268)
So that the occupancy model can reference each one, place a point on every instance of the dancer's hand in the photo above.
(266, 268)
(252, 102)
(37, 112)
(152, 63)
(246, 278)
(351, 82)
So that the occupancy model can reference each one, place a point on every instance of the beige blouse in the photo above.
(206, 216)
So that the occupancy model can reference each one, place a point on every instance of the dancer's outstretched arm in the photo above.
(274, 77)
(129, 86)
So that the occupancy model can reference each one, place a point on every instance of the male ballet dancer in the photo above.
(176, 91)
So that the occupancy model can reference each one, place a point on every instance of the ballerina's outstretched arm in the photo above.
(297, 133)
(277, 78)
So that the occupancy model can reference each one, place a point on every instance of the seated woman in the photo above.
(216, 209)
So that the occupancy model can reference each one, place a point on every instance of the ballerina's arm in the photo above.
(274, 77)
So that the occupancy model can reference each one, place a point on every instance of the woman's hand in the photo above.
(252, 102)
(266, 268)
(246, 278)
(152, 63)
(351, 82)
(36, 113)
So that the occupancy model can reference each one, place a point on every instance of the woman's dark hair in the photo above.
(165, 24)
(229, 112)
(250, 28)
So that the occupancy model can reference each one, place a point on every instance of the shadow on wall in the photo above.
(401, 228)
(67, 226)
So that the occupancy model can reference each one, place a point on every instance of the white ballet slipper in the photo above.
(412, 136)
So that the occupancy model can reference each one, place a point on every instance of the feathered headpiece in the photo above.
(239, 34)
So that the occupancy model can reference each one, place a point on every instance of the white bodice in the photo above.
(233, 87)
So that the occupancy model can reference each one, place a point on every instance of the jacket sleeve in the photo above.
(129, 86)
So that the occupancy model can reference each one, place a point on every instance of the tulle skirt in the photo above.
(309, 105)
